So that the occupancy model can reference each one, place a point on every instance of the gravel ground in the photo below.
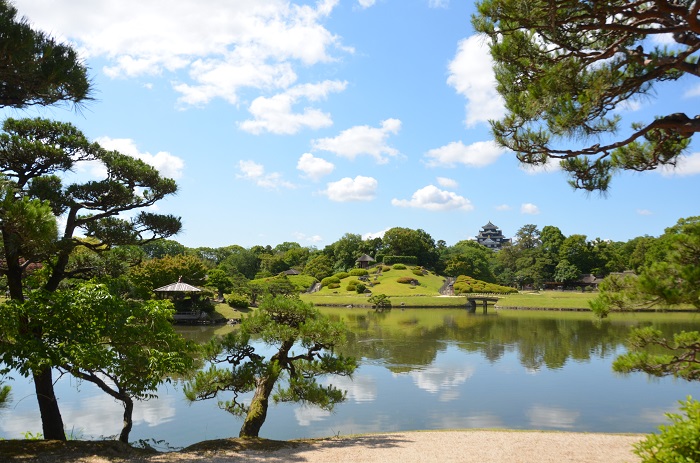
(442, 447)
(470, 446)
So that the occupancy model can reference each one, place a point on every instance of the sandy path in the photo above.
(442, 446)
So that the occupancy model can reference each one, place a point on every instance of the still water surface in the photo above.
(420, 369)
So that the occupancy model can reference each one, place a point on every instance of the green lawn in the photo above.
(548, 299)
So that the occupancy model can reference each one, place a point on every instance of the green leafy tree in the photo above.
(241, 261)
(154, 273)
(161, 248)
(34, 154)
(302, 340)
(125, 348)
(577, 251)
(565, 68)
(218, 279)
(470, 258)
(34, 68)
(345, 252)
(399, 241)
(566, 272)
(319, 266)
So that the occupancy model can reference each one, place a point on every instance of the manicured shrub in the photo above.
(358, 272)
(329, 280)
(237, 301)
(417, 272)
(467, 285)
(407, 280)
(360, 288)
(334, 286)
(341, 275)
(380, 301)
(352, 284)
(398, 267)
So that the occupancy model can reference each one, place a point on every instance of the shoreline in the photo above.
(463, 446)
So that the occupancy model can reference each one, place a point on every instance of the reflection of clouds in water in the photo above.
(444, 379)
(457, 421)
(360, 388)
(656, 415)
(306, 415)
(98, 415)
(542, 416)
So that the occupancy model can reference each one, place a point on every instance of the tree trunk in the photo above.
(258, 407)
(128, 420)
(51, 421)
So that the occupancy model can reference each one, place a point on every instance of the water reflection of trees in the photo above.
(405, 340)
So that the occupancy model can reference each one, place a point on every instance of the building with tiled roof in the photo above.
(491, 237)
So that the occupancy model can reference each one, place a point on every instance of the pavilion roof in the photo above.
(365, 258)
(178, 287)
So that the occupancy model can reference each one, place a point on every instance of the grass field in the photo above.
(548, 299)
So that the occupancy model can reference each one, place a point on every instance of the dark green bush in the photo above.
(237, 301)
(360, 288)
(329, 280)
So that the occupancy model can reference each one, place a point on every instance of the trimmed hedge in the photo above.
(466, 285)
(237, 301)
(398, 267)
(330, 280)
(341, 275)
(407, 280)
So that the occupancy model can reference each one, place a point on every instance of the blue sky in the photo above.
(303, 120)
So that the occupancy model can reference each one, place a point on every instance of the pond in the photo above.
(420, 369)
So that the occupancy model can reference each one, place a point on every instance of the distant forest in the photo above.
(534, 256)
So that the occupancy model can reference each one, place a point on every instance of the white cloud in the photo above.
(438, 3)
(275, 114)
(313, 167)
(347, 189)
(167, 164)
(434, 199)
(362, 140)
(372, 235)
(244, 44)
(477, 154)
(529, 208)
(552, 165)
(471, 74)
(503, 207)
(251, 170)
(447, 182)
(692, 92)
(301, 237)
(685, 166)
(366, 3)
(644, 212)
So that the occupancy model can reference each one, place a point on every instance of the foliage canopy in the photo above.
(565, 68)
